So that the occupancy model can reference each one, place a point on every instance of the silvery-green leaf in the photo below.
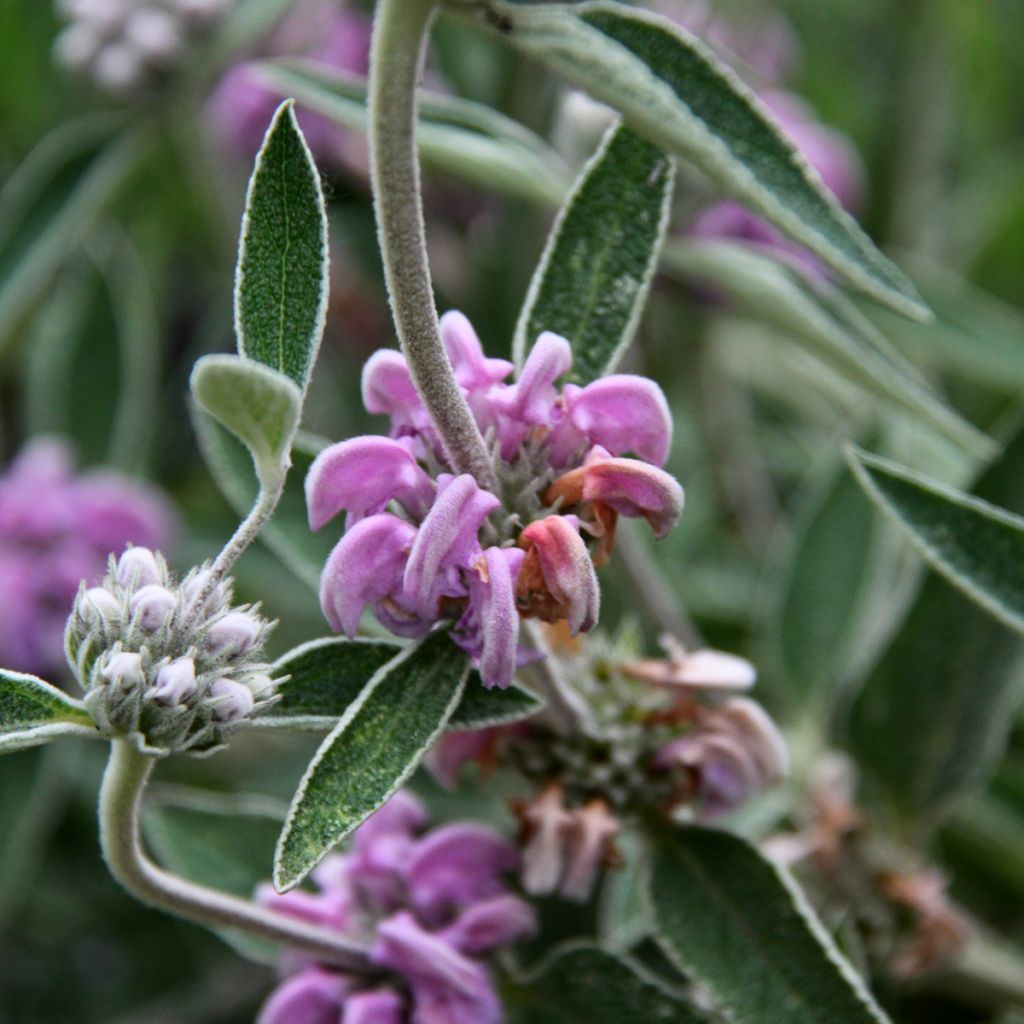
(481, 707)
(932, 719)
(455, 135)
(673, 90)
(221, 840)
(260, 406)
(48, 205)
(288, 534)
(584, 984)
(597, 266)
(976, 546)
(740, 927)
(324, 678)
(621, 917)
(33, 712)
(375, 747)
(820, 319)
(281, 281)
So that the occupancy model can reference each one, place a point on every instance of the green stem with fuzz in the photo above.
(120, 800)
(401, 29)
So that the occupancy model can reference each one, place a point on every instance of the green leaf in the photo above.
(375, 747)
(481, 707)
(597, 266)
(33, 712)
(260, 406)
(325, 678)
(282, 277)
(456, 136)
(675, 92)
(583, 984)
(822, 320)
(225, 841)
(288, 534)
(740, 927)
(976, 546)
(49, 204)
(933, 717)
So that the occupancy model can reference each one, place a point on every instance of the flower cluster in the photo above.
(336, 38)
(422, 544)
(429, 908)
(124, 45)
(172, 666)
(57, 529)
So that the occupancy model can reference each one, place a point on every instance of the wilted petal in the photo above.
(379, 1007)
(446, 540)
(313, 996)
(623, 413)
(447, 987)
(473, 370)
(532, 398)
(455, 749)
(492, 611)
(762, 735)
(634, 488)
(593, 827)
(362, 475)
(549, 826)
(455, 865)
(365, 566)
(490, 923)
(566, 568)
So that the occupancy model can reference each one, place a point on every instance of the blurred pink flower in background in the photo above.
(56, 530)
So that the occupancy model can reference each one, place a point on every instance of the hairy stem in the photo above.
(120, 798)
(399, 40)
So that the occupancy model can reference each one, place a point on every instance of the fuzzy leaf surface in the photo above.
(738, 925)
(375, 747)
(481, 707)
(33, 711)
(593, 278)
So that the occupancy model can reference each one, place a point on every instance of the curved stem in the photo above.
(120, 798)
(399, 40)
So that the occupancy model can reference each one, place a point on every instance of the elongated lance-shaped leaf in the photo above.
(822, 320)
(740, 927)
(33, 712)
(281, 281)
(673, 90)
(260, 406)
(375, 747)
(933, 716)
(597, 266)
(976, 546)
(455, 136)
(584, 984)
(49, 204)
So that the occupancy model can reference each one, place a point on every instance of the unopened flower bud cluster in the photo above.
(173, 666)
(125, 45)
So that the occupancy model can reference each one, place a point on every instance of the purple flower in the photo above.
(429, 907)
(434, 545)
(57, 529)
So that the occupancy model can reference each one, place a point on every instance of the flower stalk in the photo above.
(400, 34)
(124, 783)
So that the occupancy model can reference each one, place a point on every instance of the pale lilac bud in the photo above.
(125, 669)
(154, 33)
(118, 67)
(138, 567)
(97, 605)
(234, 700)
(77, 45)
(195, 586)
(234, 633)
(261, 685)
(176, 682)
(153, 605)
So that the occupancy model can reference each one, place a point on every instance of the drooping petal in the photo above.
(381, 1006)
(566, 568)
(532, 398)
(456, 865)
(623, 413)
(313, 996)
(365, 566)
(388, 388)
(490, 923)
(362, 475)
(492, 612)
(446, 541)
(473, 370)
(634, 488)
